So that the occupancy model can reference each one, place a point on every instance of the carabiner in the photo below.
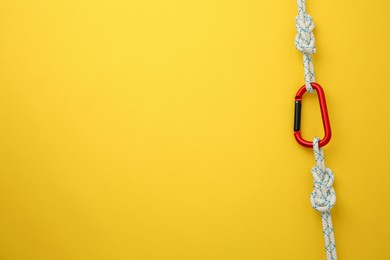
(324, 115)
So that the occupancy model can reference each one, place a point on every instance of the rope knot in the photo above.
(304, 40)
(323, 197)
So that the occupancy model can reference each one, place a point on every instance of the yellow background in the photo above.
(153, 130)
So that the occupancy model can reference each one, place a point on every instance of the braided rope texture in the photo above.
(305, 42)
(323, 198)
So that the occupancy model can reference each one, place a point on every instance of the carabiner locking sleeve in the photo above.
(324, 115)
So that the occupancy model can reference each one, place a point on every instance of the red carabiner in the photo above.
(324, 114)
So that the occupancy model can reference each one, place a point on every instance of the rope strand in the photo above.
(305, 42)
(323, 198)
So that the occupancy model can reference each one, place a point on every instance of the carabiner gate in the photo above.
(324, 115)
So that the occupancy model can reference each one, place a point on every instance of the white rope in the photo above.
(305, 42)
(323, 198)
